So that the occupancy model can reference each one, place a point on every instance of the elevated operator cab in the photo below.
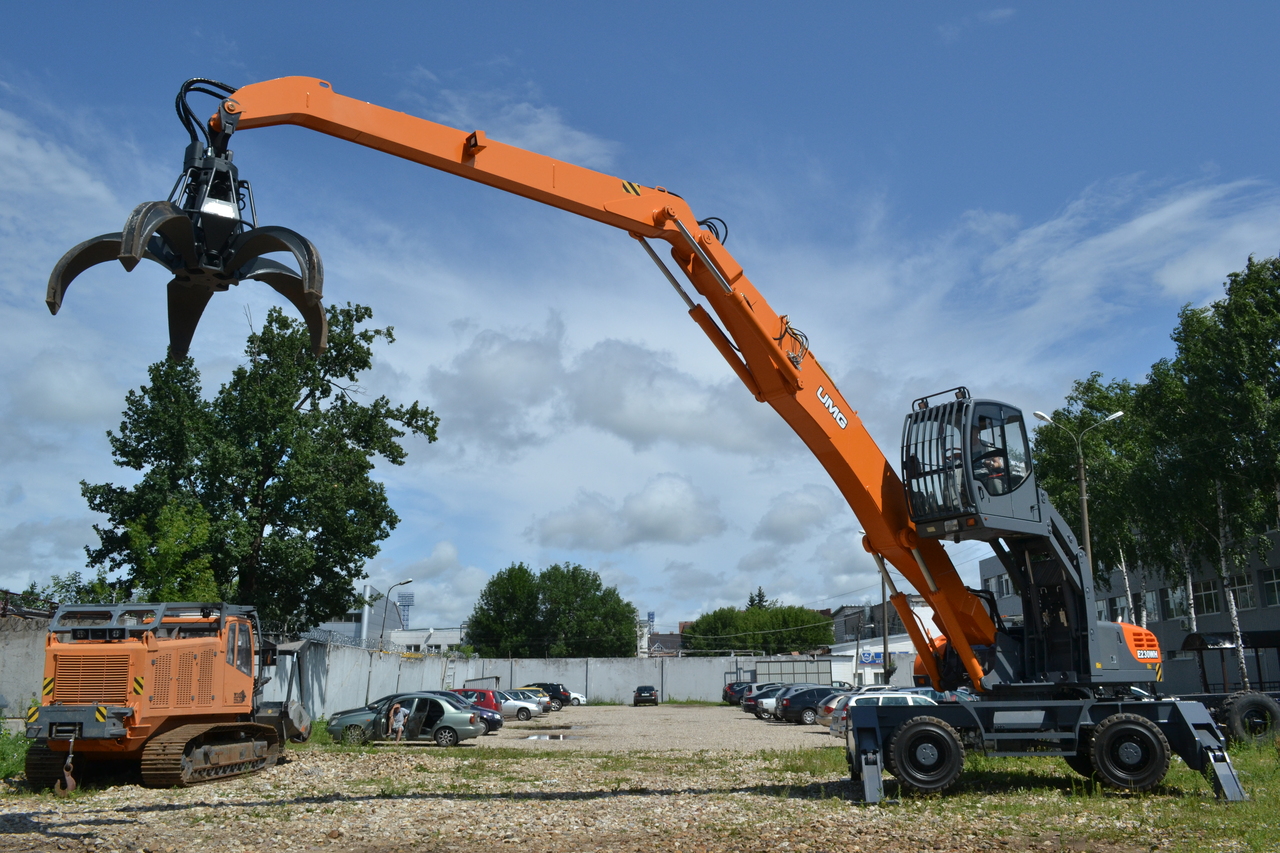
(966, 466)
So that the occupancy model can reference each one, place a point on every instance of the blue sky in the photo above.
(1005, 197)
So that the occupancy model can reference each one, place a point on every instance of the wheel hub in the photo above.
(1129, 754)
(927, 754)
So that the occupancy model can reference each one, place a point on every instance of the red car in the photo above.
(483, 698)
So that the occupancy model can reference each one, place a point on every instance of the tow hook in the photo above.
(63, 789)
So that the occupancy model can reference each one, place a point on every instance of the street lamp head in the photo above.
(1042, 416)
(1113, 416)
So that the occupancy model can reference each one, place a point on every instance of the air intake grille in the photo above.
(91, 679)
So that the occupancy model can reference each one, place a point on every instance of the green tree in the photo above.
(771, 627)
(504, 622)
(565, 611)
(262, 495)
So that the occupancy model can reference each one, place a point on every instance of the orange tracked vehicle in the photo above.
(175, 688)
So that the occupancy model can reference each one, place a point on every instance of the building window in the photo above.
(355, 616)
(1240, 587)
(1173, 603)
(413, 648)
(1270, 587)
(1119, 609)
(1205, 595)
(1151, 605)
(1101, 609)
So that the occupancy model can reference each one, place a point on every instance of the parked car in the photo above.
(577, 698)
(514, 706)
(486, 705)
(840, 724)
(756, 687)
(556, 692)
(801, 706)
(534, 695)
(430, 718)
(762, 703)
(646, 694)
(831, 708)
(732, 692)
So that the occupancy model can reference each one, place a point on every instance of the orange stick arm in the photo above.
(771, 363)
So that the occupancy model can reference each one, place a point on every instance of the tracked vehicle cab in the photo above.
(966, 467)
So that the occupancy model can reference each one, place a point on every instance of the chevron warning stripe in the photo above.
(137, 685)
(48, 686)
(633, 189)
(33, 713)
(1159, 672)
(100, 714)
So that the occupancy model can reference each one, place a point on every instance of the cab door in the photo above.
(413, 725)
(1000, 463)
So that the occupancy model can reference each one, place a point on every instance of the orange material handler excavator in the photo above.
(1055, 685)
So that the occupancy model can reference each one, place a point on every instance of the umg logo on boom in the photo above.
(832, 408)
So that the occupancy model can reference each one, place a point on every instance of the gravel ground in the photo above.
(672, 778)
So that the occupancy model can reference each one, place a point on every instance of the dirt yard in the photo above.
(672, 778)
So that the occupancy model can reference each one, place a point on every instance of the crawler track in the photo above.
(44, 766)
(192, 754)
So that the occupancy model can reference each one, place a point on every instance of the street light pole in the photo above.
(368, 682)
(384, 611)
(1084, 493)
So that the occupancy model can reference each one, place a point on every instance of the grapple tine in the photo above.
(186, 305)
(288, 284)
(158, 217)
(98, 250)
(273, 238)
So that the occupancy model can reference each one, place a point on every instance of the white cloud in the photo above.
(668, 510)
(794, 516)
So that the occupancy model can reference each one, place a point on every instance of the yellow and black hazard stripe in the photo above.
(1159, 672)
(137, 685)
(48, 686)
(100, 714)
(633, 189)
(33, 713)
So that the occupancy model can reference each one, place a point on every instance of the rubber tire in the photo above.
(808, 717)
(487, 728)
(926, 755)
(353, 735)
(1250, 717)
(1081, 762)
(523, 715)
(575, 702)
(445, 736)
(1129, 752)
(556, 704)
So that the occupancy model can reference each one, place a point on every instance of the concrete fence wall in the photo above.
(336, 677)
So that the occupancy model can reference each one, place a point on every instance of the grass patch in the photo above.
(13, 753)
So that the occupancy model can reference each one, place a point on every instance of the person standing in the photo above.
(398, 716)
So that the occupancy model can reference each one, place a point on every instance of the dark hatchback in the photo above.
(802, 706)
(732, 692)
(646, 694)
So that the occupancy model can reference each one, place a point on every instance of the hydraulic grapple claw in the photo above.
(199, 236)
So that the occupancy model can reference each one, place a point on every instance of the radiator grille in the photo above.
(91, 679)
(160, 684)
(183, 697)
(204, 687)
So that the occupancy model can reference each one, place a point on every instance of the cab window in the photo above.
(244, 650)
(231, 642)
(998, 450)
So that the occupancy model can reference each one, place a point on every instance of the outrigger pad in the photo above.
(167, 234)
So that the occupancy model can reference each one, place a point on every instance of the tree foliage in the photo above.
(565, 611)
(763, 625)
(262, 495)
(1191, 474)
